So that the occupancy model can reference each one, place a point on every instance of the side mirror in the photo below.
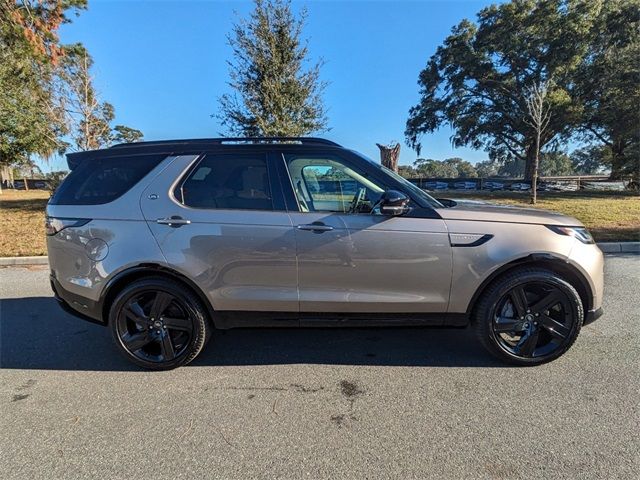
(393, 202)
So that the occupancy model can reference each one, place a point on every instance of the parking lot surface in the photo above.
(352, 403)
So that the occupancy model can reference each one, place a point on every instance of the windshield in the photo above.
(413, 189)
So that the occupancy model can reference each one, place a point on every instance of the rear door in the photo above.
(219, 219)
(351, 260)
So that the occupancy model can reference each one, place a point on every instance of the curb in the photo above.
(606, 247)
(22, 261)
(620, 247)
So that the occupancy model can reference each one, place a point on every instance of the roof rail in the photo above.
(220, 141)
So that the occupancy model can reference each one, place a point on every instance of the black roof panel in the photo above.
(187, 146)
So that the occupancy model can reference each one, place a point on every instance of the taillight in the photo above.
(54, 225)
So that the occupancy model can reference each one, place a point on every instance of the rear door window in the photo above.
(226, 181)
(99, 181)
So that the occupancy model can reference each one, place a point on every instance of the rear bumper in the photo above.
(593, 315)
(76, 305)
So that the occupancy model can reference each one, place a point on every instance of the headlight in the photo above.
(580, 233)
(53, 225)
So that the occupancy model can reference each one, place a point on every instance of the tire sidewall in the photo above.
(489, 304)
(189, 302)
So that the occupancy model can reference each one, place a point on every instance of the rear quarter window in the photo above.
(99, 181)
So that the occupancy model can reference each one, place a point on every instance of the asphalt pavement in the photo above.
(341, 403)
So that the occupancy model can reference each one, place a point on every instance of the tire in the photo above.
(159, 324)
(512, 321)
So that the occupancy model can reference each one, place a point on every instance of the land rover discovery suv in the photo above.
(165, 242)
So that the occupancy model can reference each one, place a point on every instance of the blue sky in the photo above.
(162, 64)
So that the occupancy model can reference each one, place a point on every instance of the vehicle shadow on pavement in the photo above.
(36, 334)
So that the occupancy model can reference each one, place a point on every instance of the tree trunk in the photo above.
(529, 163)
(389, 156)
(618, 161)
(534, 177)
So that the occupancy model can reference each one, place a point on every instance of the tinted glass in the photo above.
(95, 182)
(238, 182)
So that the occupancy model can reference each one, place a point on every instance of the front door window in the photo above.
(326, 184)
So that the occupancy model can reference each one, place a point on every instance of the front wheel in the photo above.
(158, 324)
(529, 316)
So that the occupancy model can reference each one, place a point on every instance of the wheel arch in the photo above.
(550, 262)
(116, 283)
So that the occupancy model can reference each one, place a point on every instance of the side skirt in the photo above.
(246, 319)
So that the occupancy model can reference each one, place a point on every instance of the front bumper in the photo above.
(76, 305)
(593, 315)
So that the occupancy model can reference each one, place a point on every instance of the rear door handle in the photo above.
(315, 227)
(174, 221)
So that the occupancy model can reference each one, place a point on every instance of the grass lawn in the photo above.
(22, 220)
(610, 216)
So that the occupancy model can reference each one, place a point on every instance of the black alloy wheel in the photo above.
(158, 324)
(529, 317)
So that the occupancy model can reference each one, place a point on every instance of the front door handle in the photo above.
(174, 221)
(316, 227)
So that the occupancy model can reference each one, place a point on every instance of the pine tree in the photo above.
(275, 93)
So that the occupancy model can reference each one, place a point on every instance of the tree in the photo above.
(274, 93)
(407, 171)
(608, 84)
(434, 168)
(449, 168)
(389, 155)
(538, 118)
(487, 169)
(590, 160)
(462, 167)
(477, 80)
(89, 118)
(556, 163)
(54, 179)
(31, 121)
(124, 134)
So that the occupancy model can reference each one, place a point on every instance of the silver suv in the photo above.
(164, 242)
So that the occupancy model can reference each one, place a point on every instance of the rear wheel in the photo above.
(158, 323)
(529, 317)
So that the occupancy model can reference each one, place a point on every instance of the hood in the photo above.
(489, 212)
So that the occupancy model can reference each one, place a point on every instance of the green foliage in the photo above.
(487, 169)
(31, 119)
(556, 164)
(608, 84)
(407, 171)
(477, 79)
(428, 167)
(274, 93)
(54, 179)
(449, 168)
(590, 160)
(124, 134)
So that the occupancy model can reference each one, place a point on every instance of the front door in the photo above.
(353, 261)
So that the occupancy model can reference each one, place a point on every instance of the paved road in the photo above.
(362, 403)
